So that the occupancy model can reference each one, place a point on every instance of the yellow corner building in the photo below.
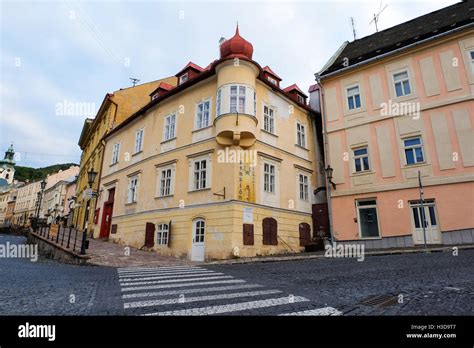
(223, 164)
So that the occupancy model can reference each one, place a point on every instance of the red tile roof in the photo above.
(192, 66)
(271, 72)
(294, 87)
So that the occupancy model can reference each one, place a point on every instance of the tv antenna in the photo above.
(353, 28)
(375, 20)
(134, 81)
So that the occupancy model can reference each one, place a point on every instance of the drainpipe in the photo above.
(326, 157)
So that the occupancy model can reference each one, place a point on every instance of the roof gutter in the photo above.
(376, 58)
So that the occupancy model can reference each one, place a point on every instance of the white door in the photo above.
(199, 229)
(433, 234)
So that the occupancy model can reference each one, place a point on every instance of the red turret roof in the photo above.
(236, 47)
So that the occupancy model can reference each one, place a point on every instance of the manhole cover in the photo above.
(385, 300)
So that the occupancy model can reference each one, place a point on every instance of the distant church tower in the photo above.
(7, 167)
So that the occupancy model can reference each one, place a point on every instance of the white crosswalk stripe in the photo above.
(184, 290)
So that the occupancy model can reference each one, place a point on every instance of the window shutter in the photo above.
(169, 233)
(274, 231)
(269, 226)
(305, 234)
(150, 235)
(248, 234)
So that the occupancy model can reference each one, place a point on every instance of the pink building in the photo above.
(395, 104)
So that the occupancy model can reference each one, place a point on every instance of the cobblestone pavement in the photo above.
(103, 253)
(414, 284)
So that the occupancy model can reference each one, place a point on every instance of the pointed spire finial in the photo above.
(237, 29)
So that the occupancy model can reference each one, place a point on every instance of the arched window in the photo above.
(199, 228)
(270, 231)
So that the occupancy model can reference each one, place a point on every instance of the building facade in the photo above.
(115, 108)
(398, 109)
(56, 204)
(26, 205)
(221, 165)
(7, 167)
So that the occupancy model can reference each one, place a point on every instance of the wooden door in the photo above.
(305, 233)
(150, 235)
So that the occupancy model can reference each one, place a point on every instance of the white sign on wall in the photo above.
(248, 215)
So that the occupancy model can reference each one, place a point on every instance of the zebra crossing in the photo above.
(194, 290)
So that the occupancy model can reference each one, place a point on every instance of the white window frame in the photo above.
(166, 181)
(412, 148)
(132, 190)
(352, 95)
(361, 159)
(303, 187)
(471, 59)
(269, 119)
(139, 136)
(300, 134)
(218, 102)
(269, 177)
(365, 207)
(300, 99)
(272, 80)
(115, 153)
(169, 129)
(238, 96)
(401, 82)
(199, 124)
(200, 176)
(162, 233)
(183, 78)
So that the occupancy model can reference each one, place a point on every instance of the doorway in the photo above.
(107, 215)
(432, 231)
(197, 250)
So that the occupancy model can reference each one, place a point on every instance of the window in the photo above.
(402, 84)
(218, 102)
(162, 234)
(413, 150)
(199, 231)
(471, 55)
(272, 80)
(368, 222)
(361, 159)
(139, 140)
(269, 177)
(303, 187)
(183, 78)
(115, 153)
(268, 119)
(353, 98)
(200, 173)
(132, 190)
(165, 182)
(300, 135)
(170, 127)
(154, 96)
(203, 114)
(237, 99)
(270, 231)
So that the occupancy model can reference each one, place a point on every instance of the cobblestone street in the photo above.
(435, 283)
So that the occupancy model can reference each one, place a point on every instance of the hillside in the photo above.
(33, 174)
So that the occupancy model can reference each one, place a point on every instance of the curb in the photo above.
(321, 256)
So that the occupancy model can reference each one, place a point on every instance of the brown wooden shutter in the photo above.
(150, 235)
(248, 234)
(114, 229)
(270, 231)
(274, 232)
(305, 234)
(169, 233)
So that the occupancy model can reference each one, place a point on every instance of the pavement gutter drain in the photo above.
(380, 301)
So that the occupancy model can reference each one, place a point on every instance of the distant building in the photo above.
(398, 103)
(7, 167)
(25, 206)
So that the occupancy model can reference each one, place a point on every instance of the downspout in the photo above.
(326, 157)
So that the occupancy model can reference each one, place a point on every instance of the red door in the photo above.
(107, 215)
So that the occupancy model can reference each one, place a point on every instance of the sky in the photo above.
(59, 58)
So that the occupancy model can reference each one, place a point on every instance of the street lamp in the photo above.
(329, 172)
(91, 174)
(43, 185)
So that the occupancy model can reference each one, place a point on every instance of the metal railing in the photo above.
(66, 237)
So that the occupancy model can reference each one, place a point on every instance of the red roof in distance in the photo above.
(190, 65)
